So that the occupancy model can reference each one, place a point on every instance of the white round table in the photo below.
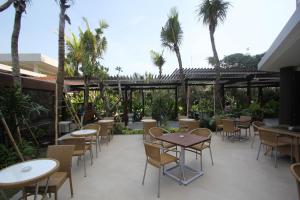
(27, 173)
(105, 121)
(186, 120)
(84, 133)
(148, 120)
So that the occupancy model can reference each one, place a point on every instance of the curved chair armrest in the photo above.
(166, 149)
(295, 174)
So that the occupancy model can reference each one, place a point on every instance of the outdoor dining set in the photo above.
(45, 176)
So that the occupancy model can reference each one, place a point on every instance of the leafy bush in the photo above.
(128, 131)
(118, 127)
(162, 107)
(271, 108)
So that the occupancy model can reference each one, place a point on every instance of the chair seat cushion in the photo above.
(164, 159)
(200, 146)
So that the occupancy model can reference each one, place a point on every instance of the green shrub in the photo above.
(128, 131)
(271, 108)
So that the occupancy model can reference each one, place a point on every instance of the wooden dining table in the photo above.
(184, 140)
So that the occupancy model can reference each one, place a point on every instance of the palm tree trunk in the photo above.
(217, 95)
(5, 5)
(86, 92)
(181, 73)
(60, 71)
(14, 48)
(160, 71)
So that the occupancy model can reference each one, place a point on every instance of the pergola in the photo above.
(231, 77)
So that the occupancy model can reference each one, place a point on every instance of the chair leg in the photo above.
(99, 143)
(91, 155)
(212, 161)
(201, 160)
(144, 172)
(276, 165)
(84, 166)
(158, 187)
(252, 142)
(258, 151)
(71, 186)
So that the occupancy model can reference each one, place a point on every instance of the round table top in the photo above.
(186, 120)
(106, 121)
(28, 172)
(83, 132)
(148, 120)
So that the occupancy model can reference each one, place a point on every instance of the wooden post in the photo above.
(130, 102)
(186, 98)
(222, 93)
(143, 102)
(260, 96)
(249, 91)
(125, 117)
(11, 137)
(176, 102)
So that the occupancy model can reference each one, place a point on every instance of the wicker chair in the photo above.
(274, 141)
(80, 149)
(295, 169)
(62, 153)
(229, 128)
(156, 132)
(255, 125)
(193, 125)
(147, 126)
(157, 159)
(198, 148)
(110, 127)
(245, 123)
(219, 124)
(95, 139)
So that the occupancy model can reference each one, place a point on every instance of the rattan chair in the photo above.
(80, 149)
(198, 148)
(147, 126)
(156, 158)
(245, 123)
(255, 126)
(295, 169)
(110, 127)
(274, 141)
(219, 124)
(229, 129)
(62, 153)
(193, 125)
(157, 132)
(95, 138)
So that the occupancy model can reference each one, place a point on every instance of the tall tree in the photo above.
(20, 7)
(158, 60)
(93, 45)
(171, 37)
(119, 69)
(63, 17)
(212, 12)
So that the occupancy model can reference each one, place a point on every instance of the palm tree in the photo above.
(212, 12)
(171, 37)
(92, 47)
(64, 5)
(74, 53)
(20, 7)
(158, 60)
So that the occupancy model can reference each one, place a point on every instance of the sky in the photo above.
(134, 29)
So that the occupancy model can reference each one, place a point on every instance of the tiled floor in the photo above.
(236, 175)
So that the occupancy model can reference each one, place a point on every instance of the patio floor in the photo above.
(236, 175)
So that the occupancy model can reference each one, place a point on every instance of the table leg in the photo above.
(36, 191)
(182, 161)
(3, 195)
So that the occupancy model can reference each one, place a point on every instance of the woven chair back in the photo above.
(156, 132)
(96, 127)
(295, 169)
(218, 120)
(62, 153)
(79, 143)
(228, 125)
(245, 120)
(257, 124)
(152, 151)
(193, 125)
(266, 135)
(147, 126)
(205, 132)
